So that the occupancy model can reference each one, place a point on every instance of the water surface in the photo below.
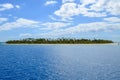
(59, 62)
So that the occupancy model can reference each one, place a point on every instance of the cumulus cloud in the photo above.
(50, 2)
(7, 6)
(25, 23)
(89, 8)
(67, 10)
(19, 23)
(113, 7)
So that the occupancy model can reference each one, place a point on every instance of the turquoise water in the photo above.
(59, 62)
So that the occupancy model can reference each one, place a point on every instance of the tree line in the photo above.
(58, 41)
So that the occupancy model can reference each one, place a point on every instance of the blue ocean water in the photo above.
(59, 62)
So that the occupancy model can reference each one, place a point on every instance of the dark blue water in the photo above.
(59, 62)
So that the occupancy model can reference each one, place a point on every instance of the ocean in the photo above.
(60, 62)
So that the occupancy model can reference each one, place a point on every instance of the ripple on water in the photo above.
(59, 62)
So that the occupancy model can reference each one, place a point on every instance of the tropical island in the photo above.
(58, 41)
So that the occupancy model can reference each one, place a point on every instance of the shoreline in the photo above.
(66, 44)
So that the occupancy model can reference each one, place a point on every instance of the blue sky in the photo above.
(60, 18)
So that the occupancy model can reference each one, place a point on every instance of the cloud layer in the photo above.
(19, 23)
(62, 21)
(89, 8)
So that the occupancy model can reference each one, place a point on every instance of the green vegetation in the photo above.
(58, 41)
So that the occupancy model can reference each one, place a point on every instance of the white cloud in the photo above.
(113, 7)
(50, 2)
(54, 25)
(96, 26)
(54, 18)
(89, 8)
(3, 19)
(25, 35)
(19, 23)
(17, 6)
(6, 6)
(98, 5)
(65, 1)
(67, 10)
(94, 14)
(112, 19)
(86, 2)
(86, 27)
(25, 23)
(110, 6)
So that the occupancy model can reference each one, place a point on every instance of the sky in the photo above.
(90, 19)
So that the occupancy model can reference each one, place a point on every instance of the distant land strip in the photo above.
(58, 41)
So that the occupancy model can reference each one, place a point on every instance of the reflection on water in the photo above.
(59, 62)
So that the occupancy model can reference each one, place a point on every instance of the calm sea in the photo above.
(59, 62)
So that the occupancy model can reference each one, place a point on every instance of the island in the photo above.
(58, 41)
